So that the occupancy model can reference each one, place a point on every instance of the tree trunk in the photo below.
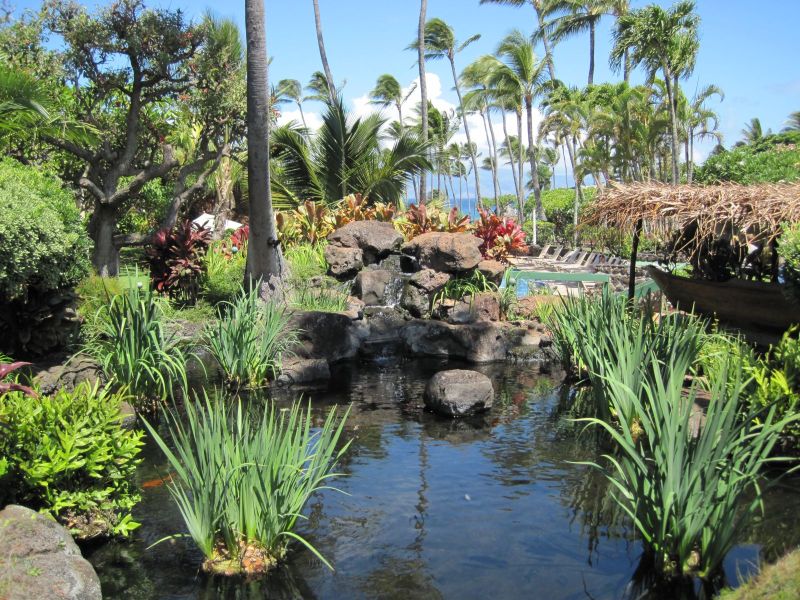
(687, 158)
(626, 66)
(264, 261)
(521, 165)
(637, 232)
(105, 256)
(423, 85)
(545, 39)
(495, 162)
(690, 171)
(472, 152)
(302, 115)
(537, 188)
(673, 118)
(517, 182)
(591, 52)
(323, 56)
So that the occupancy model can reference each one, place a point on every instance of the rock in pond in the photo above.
(445, 252)
(40, 561)
(331, 336)
(459, 393)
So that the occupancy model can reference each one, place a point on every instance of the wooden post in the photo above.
(637, 232)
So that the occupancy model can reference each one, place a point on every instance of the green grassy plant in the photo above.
(224, 272)
(306, 261)
(325, 299)
(133, 350)
(689, 484)
(242, 480)
(250, 339)
(68, 455)
(459, 288)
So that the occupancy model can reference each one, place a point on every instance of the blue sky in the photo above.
(749, 49)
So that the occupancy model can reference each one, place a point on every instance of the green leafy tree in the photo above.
(662, 40)
(129, 67)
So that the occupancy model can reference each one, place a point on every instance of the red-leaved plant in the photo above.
(175, 259)
(502, 237)
(13, 386)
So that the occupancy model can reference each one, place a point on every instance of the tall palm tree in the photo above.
(291, 90)
(344, 157)
(581, 16)
(440, 42)
(520, 68)
(423, 86)
(699, 122)
(754, 132)
(264, 261)
(664, 40)
(322, 54)
(793, 122)
(387, 91)
(319, 88)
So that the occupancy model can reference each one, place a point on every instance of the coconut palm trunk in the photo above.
(494, 162)
(537, 188)
(423, 86)
(322, 54)
(517, 182)
(591, 51)
(473, 154)
(264, 261)
(672, 89)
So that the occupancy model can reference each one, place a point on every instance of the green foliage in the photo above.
(224, 272)
(69, 455)
(314, 297)
(789, 251)
(690, 486)
(43, 244)
(142, 213)
(459, 288)
(242, 480)
(134, 351)
(250, 339)
(774, 158)
(306, 261)
(780, 581)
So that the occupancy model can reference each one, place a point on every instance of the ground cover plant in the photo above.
(134, 350)
(242, 478)
(69, 455)
(249, 339)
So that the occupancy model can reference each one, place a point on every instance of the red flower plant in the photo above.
(502, 237)
(12, 386)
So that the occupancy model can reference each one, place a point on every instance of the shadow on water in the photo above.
(435, 508)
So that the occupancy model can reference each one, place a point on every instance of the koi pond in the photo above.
(497, 506)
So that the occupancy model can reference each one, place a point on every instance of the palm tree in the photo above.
(423, 86)
(323, 56)
(521, 69)
(581, 16)
(793, 122)
(388, 91)
(700, 122)
(753, 132)
(661, 40)
(440, 42)
(291, 90)
(264, 261)
(344, 157)
(319, 88)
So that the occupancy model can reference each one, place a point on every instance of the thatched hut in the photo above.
(750, 215)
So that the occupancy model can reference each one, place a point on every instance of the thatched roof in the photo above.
(735, 209)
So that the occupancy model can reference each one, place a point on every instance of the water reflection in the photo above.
(436, 508)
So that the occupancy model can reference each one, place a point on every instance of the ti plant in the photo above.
(13, 386)
(176, 260)
(502, 237)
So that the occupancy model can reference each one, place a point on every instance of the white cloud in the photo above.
(313, 119)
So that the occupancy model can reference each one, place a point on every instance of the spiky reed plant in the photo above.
(690, 483)
(249, 339)
(307, 297)
(306, 261)
(134, 351)
(243, 479)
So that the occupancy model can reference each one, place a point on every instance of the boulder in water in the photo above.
(459, 393)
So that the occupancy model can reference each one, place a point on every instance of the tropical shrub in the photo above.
(306, 261)
(459, 288)
(690, 486)
(43, 254)
(176, 260)
(501, 236)
(134, 351)
(789, 251)
(249, 339)
(70, 456)
(775, 158)
(425, 218)
(224, 267)
(242, 479)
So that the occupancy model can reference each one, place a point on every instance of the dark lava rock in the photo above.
(375, 239)
(459, 393)
(40, 561)
(493, 270)
(331, 336)
(370, 286)
(446, 252)
(343, 263)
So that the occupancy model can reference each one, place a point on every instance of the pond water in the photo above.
(436, 508)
